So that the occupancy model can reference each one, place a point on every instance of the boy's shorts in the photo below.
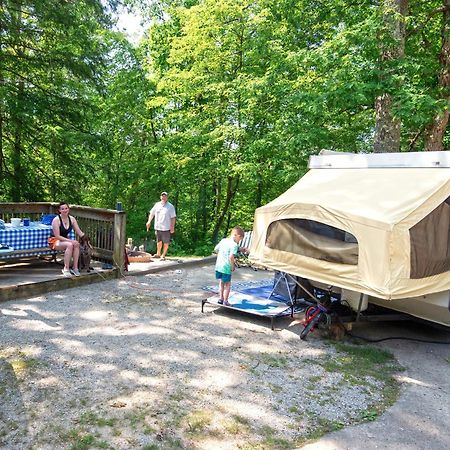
(225, 277)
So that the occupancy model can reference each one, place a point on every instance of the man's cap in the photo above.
(164, 193)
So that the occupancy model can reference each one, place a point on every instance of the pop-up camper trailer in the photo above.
(376, 224)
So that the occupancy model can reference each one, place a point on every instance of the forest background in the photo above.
(221, 102)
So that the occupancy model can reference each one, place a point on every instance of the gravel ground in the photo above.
(134, 364)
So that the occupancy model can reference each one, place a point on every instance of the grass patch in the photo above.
(236, 424)
(167, 444)
(275, 388)
(91, 418)
(241, 420)
(321, 427)
(197, 421)
(271, 441)
(279, 362)
(79, 440)
(232, 427)
(137, 418)
(177, 396)
(372, 355)
(248, 446)
(148, 430)
(25, 365)
(356, 362)
(328, 426)
(314, 379)
(369, 415)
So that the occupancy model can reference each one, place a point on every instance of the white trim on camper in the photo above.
(339, 160)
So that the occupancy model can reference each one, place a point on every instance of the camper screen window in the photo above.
(430, 243)
(313, 239)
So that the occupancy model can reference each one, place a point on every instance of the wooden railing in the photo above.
(105, 227)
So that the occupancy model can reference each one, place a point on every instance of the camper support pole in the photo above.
(306, 290)
(358, 313)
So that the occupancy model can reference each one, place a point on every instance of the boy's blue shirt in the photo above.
(225, 248)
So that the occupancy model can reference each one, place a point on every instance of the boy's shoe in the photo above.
(66, 273)
(220, 302)
(75, 272)
(163, 258)
(227, 303)
(156, 256)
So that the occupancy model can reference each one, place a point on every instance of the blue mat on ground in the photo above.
(253, 298)
(239, 286)
(253, 305)
(264, 292)
(260, 288)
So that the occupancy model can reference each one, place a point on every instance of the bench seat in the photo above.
(23, 253)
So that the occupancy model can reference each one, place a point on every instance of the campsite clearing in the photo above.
(133, 364)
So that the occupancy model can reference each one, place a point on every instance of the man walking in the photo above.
(164, 214)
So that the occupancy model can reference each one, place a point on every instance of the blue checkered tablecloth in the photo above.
(25, 238)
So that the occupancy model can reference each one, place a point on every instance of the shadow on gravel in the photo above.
(133, 364)
(13, 420)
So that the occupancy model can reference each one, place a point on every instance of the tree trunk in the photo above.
(434, 139)
(1, 133)
(231, 192)
(387, 127)
(199, 231)
(259, 191)
(217, 192)
(18, 176)
(2, 27)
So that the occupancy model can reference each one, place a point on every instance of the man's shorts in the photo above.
(225, 277)
(163, 236)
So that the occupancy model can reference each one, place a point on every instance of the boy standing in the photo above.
(226, 250)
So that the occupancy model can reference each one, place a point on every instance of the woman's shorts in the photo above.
(225, 277)
(53, 242)
(163, 236)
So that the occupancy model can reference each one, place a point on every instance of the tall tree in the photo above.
(434, 139)
(51, 62)
(387, 126)
(211, 82)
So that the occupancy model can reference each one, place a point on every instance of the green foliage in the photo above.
(51, 55)
(221, 104)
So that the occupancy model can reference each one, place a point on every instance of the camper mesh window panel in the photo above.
(430, 243)
(313, 239)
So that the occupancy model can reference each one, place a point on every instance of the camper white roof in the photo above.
(339, 160)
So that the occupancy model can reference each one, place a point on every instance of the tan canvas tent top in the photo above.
(377, 224)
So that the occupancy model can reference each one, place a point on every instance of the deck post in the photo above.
(120, 219)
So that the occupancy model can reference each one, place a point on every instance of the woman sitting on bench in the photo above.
(62, 225)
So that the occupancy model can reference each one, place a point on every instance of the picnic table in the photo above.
(25, 241)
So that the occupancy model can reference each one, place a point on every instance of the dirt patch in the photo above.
(133, 363)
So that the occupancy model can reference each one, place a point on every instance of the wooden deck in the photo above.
(30, 277)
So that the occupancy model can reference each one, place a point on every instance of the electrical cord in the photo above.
(426, 341)
(167, 291)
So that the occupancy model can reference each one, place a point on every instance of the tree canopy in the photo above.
(221, 103)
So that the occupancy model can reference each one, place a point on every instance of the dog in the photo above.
(85, 253)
